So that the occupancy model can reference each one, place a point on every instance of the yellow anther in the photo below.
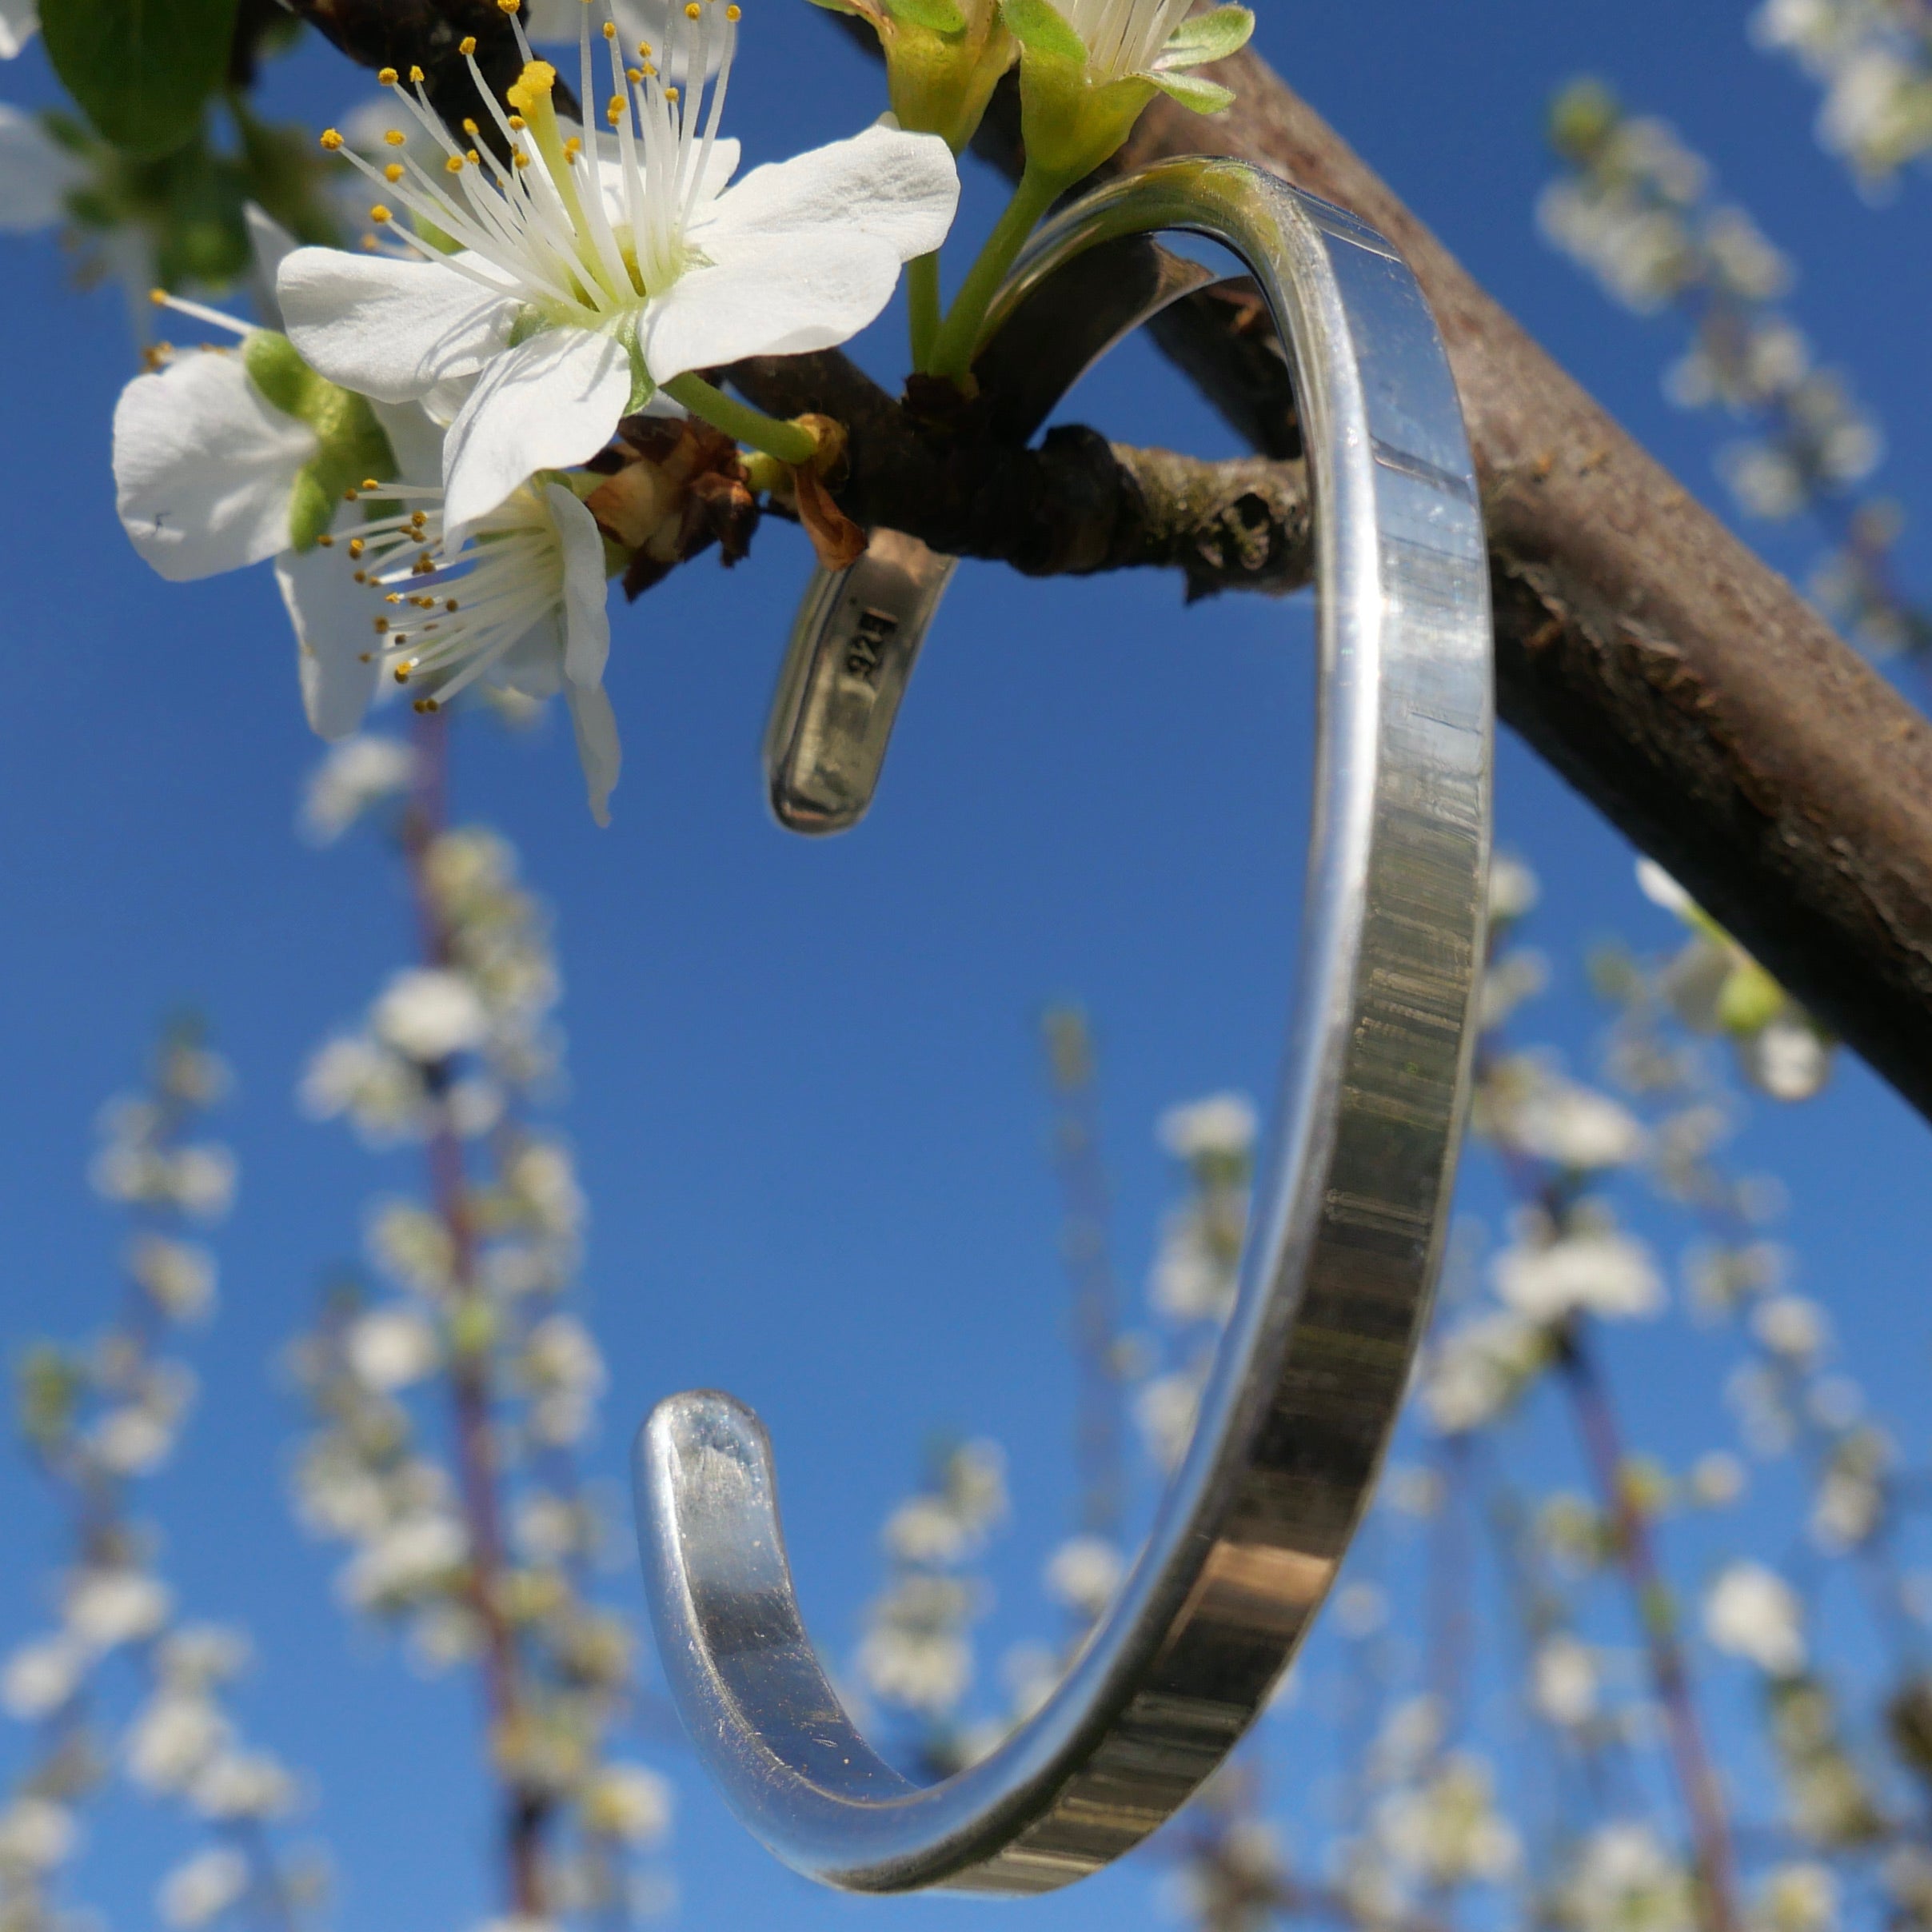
(395, 596)
(536, 82)
(351, 496)
(517, 124)
(453, 165)
(573, 148)
(416, 77)
(395, 137)
(158, 297)
(362, 577)
(614, 113)
(388, 78)
(326, 541)
(634, 75)
(380, 214)
(469, 126)
(519, 159)
(449, 604)
(734, 14)
(508, 6)
(382, 625)
(467, 46)
(402, 673)
(474, 159)
(418, 518)
(672, 93)
(332, 139)
(366, 656)
(610, 30)
(356, 546)
(692, 10)
(651, 71)
(644, 48)
(372, 483)
(392, 172)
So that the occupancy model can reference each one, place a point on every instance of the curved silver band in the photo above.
(1352, 1191)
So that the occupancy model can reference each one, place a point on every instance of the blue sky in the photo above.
(806, 1092)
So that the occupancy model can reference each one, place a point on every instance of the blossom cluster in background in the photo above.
(1638, 208)
(126, 1684)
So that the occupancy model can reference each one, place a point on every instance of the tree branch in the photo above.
(1077, 505)
(1683, 686)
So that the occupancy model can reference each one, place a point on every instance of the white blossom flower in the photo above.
(1166, 1407)
(565, 1369)
(1752, 1612)
(19, 22)
(428, 1013)
(416, 1553)
(1564, 1683)
(1625, 1880)
(519, 600)
(1514, 888)
(172, 1737)
(106, 1608)
(177, 1276)
(1717, 1480)
(36, 1834)
(41, 1676)
(1084, 1573)
(201, 1888)
(1223, 1125)
(1448, 1830)
(1525, 1104)
(1480, 1367)
(586, 276)
(1791, 1326)
(1595, 1271)
(1799, 1897)
(357, 773)
(205, 466)
(628, 1801)
(391, 1347)
(242, 1785)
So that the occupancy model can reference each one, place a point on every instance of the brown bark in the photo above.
(1075, 505)
(1683, 686)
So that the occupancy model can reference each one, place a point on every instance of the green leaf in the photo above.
(936, 16)
(141, 69)
(1203, 97)
(1041, 28)
(1208, 37)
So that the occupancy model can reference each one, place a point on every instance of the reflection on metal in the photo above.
(1352, 1189)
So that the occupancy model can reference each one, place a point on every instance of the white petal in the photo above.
(897, 188)
(203, 467)
(330, 612)
(548, 403)
(35, 171)
(534, 664)
(391, 329)
(270, 245)
(595, 724)
(19, 22)
(780, 299)
(586, 611)
(416, 440)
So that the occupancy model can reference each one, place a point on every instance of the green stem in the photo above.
(959, 335)
(923, 306)
(786, 441)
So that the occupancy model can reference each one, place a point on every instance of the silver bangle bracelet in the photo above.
(1352, 1189)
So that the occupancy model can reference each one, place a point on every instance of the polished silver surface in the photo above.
(1352, 1189)
(858, 631)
